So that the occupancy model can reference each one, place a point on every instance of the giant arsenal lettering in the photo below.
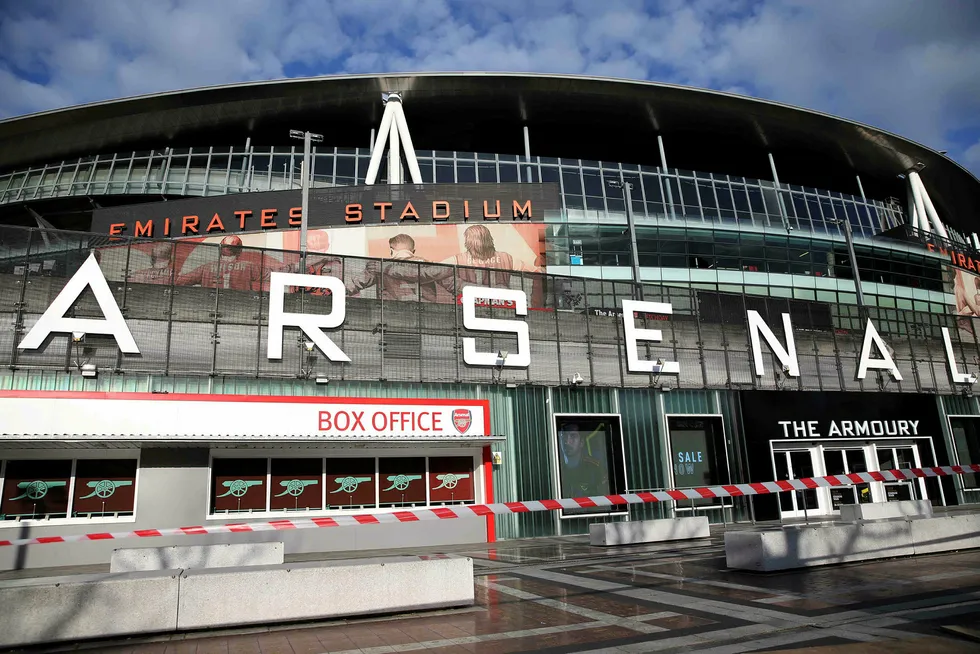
(89, 275)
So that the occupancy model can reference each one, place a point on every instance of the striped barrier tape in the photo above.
(480, 510)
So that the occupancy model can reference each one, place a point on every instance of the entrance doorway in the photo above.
(798, 459)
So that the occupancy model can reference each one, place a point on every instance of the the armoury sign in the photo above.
(349, 205)
(55, 321)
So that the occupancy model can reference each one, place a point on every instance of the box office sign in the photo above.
(213, 417)
(875, 353)
(349, 205)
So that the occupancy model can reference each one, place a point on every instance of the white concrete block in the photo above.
(804, 546)
(316, 590)
(193, 557)
(946, 533)
(52, 609)
(885, 510)
(648, 531)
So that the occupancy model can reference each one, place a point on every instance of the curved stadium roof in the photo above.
(568, 116)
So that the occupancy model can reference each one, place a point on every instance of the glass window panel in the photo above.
(651, 187)
(351, 483)
(571, 182)
(508, 173)
(487, 172)
(593, 183)
(465, 172)
(296, 484)
(401, 481)
(238, 485)
(35, 489)
(104, 487)
(444, 172)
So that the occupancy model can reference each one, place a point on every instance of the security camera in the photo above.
(972, 379)
(577, 379)
(786, 368)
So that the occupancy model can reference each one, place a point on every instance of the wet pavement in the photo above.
(562, 595)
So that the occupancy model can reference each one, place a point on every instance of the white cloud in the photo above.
(897, 64)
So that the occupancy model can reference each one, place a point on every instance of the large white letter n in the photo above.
(53, 320)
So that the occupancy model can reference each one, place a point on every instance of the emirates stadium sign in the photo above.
(347, 205)
(55, 320)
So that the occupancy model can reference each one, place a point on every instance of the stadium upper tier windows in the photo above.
(681, 195)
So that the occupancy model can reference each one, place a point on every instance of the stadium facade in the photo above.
(481, 287)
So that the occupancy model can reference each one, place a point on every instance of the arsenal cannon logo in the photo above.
(462, 419)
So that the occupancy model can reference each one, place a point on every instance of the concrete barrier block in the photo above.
(648, 531)
(805, 546)
(53, 609)
(885, 510)
(193, 557)
(945, 533)
(317, 590)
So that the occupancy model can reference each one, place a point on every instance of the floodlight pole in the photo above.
(308, 139)
(628, 196)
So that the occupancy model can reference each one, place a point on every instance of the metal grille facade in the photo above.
(574, 323)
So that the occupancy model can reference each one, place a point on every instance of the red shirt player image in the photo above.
(233, 270)
(161, 268)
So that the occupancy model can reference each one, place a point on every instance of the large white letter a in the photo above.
(54, 321)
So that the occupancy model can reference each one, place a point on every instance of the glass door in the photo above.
(900, 457)
(796, 464)
(843, 462)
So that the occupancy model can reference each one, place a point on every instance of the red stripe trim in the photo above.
(366, 519)
(444, 513)
(760, 489)
(405, 516)
(833, 481)
(733, 491)
(480, 509)
(855, 478)
(99, 536)
(617, 499)
(517, 507)
(147, 533)
(4, 543)
(585, 502)
(705, 493)
(877, 476)
(193, 530)
(282, 524)
(647, 497)
(551, 505)
(49, 539)
(809, 483)
(325, 522)
(785, 485)
(677, 495)
(238, 527)
(938, 471)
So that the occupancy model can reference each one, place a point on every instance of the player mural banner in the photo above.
(246, 262)
(965, 287)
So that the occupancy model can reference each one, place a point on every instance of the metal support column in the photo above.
(663, 167)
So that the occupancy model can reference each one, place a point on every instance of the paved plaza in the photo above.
(561, 595)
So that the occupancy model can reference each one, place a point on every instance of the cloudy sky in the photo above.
(912, 67)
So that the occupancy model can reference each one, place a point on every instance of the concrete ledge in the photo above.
(946, 533)
(885, 510)
(304, 591)
(806, 546)
(648, 531)
(192, 557)
(52, 609)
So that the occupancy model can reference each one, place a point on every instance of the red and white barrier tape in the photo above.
(479, 510)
